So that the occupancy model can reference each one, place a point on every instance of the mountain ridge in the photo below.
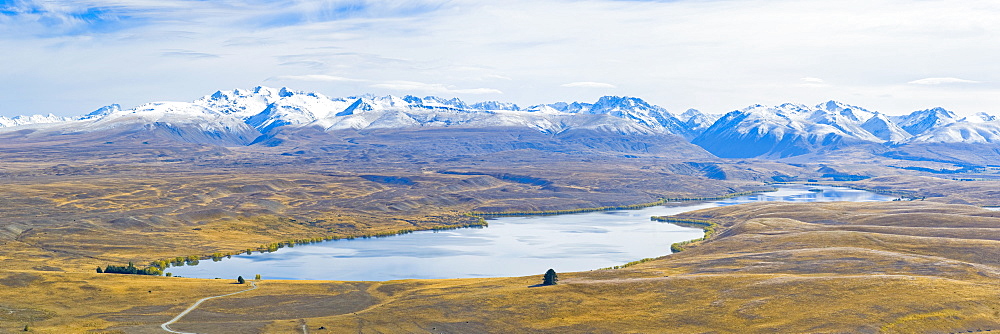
(242, 116)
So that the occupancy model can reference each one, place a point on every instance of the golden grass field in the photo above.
(897, 267)
(894, 267)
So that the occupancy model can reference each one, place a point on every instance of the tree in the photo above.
(240, 280)
(99, 271)
(257, 277)
(550, 278)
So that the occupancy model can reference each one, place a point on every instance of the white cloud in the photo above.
(810, 82)
(497, 76)
(310, 77)
(588, 84)
(713, 55)
(940, 81)
(410, 86)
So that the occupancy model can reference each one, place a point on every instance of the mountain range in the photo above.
(260, 115)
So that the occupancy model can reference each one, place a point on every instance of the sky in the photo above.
(894, 56)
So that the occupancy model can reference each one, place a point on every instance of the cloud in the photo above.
(293, 13)
(714, 55)
(188, 54)
(311, 77)
(433, 88)
(588, 84)
(941, 81)
(497, 76)
(811, 82)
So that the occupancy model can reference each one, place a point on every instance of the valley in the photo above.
(254, 169)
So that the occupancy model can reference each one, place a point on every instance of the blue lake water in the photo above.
(510, 246)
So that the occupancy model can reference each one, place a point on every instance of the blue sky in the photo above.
(71, 57)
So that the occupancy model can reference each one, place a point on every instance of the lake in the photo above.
(510, 246)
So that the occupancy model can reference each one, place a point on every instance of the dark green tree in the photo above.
(99, 270)
(550, 278)
(240, 280)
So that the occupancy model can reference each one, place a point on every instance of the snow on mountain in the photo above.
(102, 111)
(298, 109)
(882, 127)
(163, 112)
(696, 122)
(782, 131)
(980, 117)
(846, 118)
(241, 103)
(853, 113)
(637, 110)
(963, 132)
(32, 119)
(238, 116)
(918, 122)
(433, 102)
(182, 120)
(495, 105)
(624, 115)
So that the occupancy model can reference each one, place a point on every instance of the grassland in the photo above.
(921, 266)
(896, 267)
(957, 189)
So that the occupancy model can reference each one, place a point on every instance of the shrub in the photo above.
(550, 278)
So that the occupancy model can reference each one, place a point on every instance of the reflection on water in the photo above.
(510, 246)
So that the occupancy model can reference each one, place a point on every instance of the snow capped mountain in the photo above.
(33, 119)
(433, 102)
(184, 121)
(921, 121)
(793, 129)
(298, 109)
(616, 115)
(846, 118)
(963, 132)
(102, 111)
(785, 130)
(239, 117)
(635, 109)
(980, 117)
(241, 103)
(852, 113)
(495, 105)
(880, 126)
(697, 118)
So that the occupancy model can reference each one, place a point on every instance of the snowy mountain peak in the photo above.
(979, 117)
(572, 108)
(432, 102)
(102, 111)
(921, 121)
(495, 105)
(696, 121)
(687, 115)
(794, 108)
(32, 119)
(853, 113)
(880, 126)
(620, 102)
(757, 130)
